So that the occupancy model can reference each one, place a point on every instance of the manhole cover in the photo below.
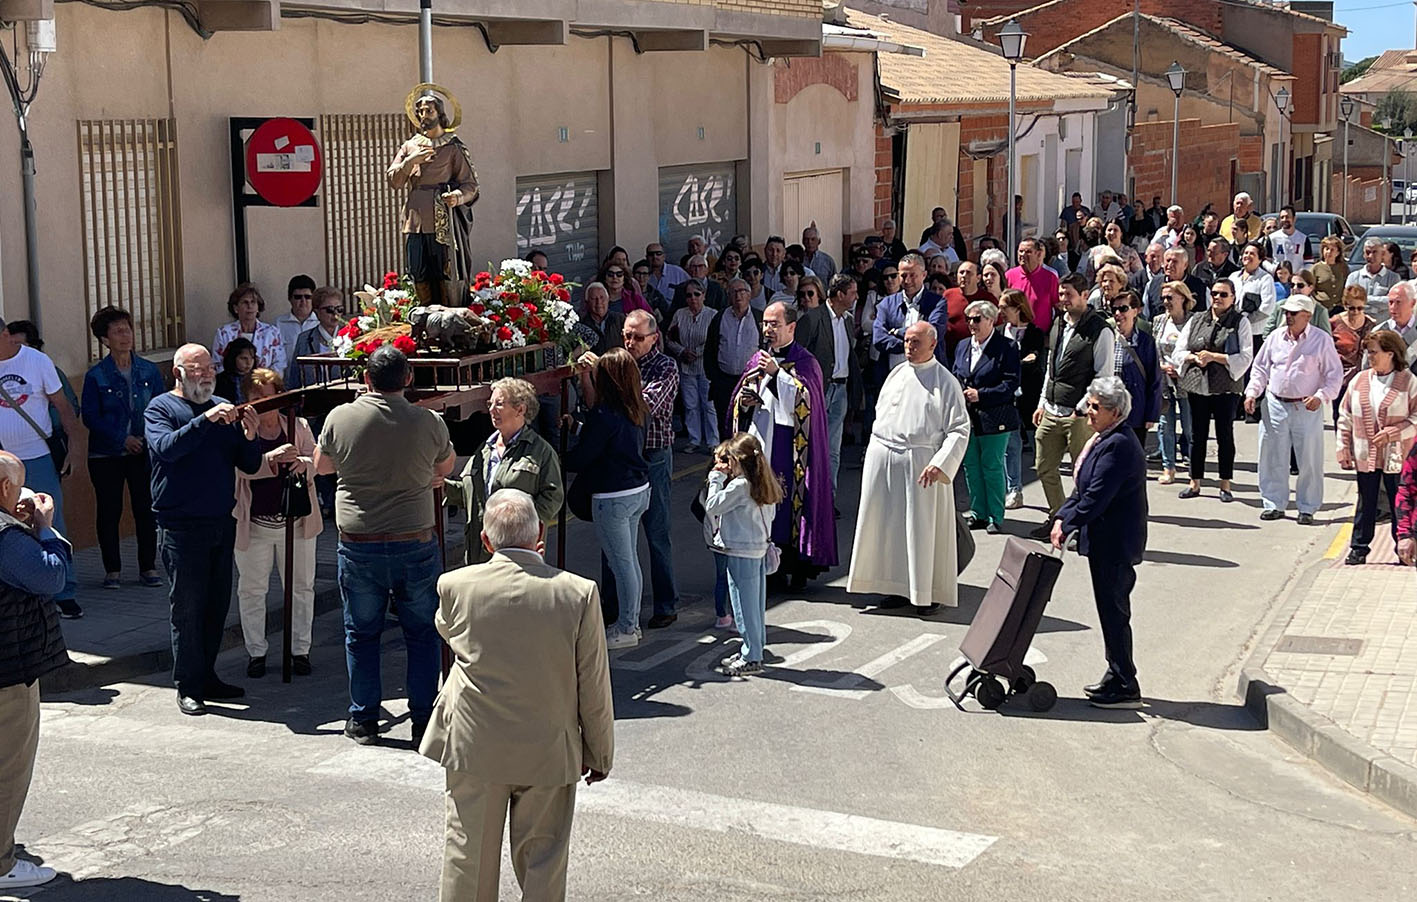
(1319, 645)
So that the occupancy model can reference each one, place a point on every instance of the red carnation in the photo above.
(542, 335)
(495, 318)
(484, 276)
(395, 315)
(538, 274)
(555, 278)
(530, 307)
(504, 334)
(515, 313)
(563, 294)
(375, 344)
(479, 309)
(406, 344)
(534, 321)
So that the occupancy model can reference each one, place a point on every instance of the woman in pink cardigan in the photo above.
(1377, 422)
(260, 530)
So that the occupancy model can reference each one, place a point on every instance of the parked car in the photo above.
(1319, 226)
(1398, 186)
(1404, 236)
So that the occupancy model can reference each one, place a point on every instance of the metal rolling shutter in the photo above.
(559, 215)
(697, 200)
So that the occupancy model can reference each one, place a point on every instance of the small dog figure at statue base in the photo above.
(455, 329)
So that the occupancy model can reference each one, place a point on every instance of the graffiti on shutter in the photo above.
(559, 215)
(698, 201)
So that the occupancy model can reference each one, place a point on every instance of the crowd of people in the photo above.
(1126, 331)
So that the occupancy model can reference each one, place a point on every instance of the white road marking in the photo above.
(812, 827)
(841, 687)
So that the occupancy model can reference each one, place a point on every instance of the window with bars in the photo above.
(362, 211)
(132, 226)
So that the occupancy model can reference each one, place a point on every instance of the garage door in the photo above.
(698, 201)
(559, 215)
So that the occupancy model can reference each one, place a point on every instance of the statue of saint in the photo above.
(436, 168)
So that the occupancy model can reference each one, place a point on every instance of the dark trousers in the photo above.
(1221, 410)
(1112, 584)
(198, 560)
(1365, 512)
(109, 475)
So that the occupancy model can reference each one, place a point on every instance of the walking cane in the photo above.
(287, 612)
(443, 556)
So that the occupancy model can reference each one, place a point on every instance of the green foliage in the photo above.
(1399, 109)
(1357, 69)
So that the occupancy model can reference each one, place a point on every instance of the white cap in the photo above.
(1298, 303)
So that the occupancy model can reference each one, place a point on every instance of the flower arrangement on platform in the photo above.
(382, 318)
(526, 306)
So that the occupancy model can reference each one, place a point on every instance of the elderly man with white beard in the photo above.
(196, 442)
(905, 528)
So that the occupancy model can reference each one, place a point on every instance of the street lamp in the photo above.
(1176, 77)
(1406, 146)
(1011, 40)
(1387, 163)
(1281, 103)
(1345, 106)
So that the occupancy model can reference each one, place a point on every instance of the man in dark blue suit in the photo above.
(897, 312)
(1108, 506)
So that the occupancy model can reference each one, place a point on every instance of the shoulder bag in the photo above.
(57, 440)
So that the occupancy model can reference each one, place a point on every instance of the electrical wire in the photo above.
(187, 10)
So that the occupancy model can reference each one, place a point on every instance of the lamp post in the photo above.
(1387, 163)
(425, 41)
(1011, 40)
(1406, 147)
(1176, 77)
(22, 84)
(1345, 106)
(1281, 103)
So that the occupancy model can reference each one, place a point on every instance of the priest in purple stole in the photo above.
(781, 398)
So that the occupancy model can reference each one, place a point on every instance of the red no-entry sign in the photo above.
(283, 162)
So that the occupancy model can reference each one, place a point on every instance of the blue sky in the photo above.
(1375, 26)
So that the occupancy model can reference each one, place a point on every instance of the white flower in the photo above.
(516, 267)
(342, 345)
(366, 323)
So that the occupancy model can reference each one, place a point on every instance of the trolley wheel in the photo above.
(1042, 696)
(990, 693)
(1024, 680)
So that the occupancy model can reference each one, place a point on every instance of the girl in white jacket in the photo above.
(741, 500)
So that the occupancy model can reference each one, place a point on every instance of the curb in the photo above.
(1345, 756)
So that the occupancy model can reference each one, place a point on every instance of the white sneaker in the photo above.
(616, 639)
(1013, 501)
(26, 873)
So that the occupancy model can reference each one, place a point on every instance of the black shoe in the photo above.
(893, 601)
(928, 610)
(1306, 519)
(1293, 471)
(418, 730)
(222, 691)
(1272, 515)
(1356, 557)
(69, 609)
(1226, 496)
(256, 667)
(1117, 695)
(191, 706)
(1101, 685)
(797, 581)
(1043, 532)
(976, 522)
(364, 732)
(1189, 491)
(660, 621)
(300, 665)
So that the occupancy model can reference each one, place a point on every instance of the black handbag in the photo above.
(296, 503)
(578, 498)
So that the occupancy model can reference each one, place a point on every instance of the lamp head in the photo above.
(1176, 77)
(1345, 107)
(1012, 39)
(1281, 100)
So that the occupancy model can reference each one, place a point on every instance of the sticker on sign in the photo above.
(282, 162)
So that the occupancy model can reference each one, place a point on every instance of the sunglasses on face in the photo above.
(1220, 294)
(1092, 405)
(329, 310)
(890, 275)
(974, 320)
(694, 294)
(809, 293)
(633, 336)
(1352, 309)
(615, 273)
(1297, 312)
(1168, 297)
(656, 253)
(1123, 308)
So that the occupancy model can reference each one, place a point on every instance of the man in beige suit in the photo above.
(525, 712)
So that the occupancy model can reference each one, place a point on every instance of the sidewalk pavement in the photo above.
(1334, 674)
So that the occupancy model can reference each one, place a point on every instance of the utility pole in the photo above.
(40, 42)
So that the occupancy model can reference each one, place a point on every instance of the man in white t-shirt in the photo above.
(1288, 243)
(32, 384)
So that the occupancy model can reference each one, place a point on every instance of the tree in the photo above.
(1400, 108)
(1357, 69)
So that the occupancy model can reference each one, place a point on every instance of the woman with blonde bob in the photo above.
(1377, 422)
(741, 501)
(260, 529)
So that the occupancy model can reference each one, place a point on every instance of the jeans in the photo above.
(1112, 584)
(661, 553)
(836, 422)
(1056, 435)
(253, 578)
(984, 475)
(1288, 426)
(1013, 462)
(1365, 512)
(1221, 409)
(197, 557)
(1173, 411)
(699, 416)
(40, 476)
(109, 475)
(720, 584)
(748, 590)
(617, 522)
(369, 573)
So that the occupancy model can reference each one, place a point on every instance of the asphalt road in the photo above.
(841, 774)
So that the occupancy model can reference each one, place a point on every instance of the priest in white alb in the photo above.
(905, 528)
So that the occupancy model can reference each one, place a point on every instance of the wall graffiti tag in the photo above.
(559, 216)
(697, 201)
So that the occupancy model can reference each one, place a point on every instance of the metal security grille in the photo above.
(132, 223)
(559, 215)
(362, 211)
(699, 201)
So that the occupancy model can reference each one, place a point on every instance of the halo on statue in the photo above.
(428, 87)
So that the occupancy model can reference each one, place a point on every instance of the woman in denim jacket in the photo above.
(116, 390)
